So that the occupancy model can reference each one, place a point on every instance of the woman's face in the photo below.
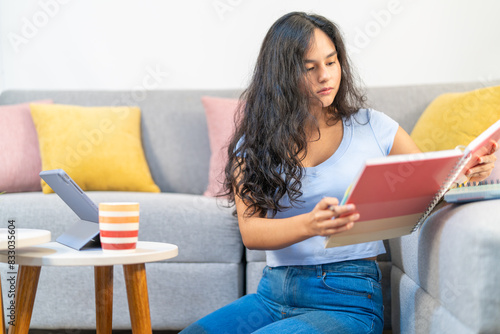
(323, 70)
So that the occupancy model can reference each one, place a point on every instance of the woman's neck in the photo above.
(322, 120)
(322, 142)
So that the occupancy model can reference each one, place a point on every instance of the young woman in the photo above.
(302, 138)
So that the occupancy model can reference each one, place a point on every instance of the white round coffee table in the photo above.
(31, 259)
(13, 239)
(22, 237)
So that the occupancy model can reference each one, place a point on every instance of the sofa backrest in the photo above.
(405, 104)
(174, 128)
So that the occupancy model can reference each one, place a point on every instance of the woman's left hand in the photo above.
(484, 165)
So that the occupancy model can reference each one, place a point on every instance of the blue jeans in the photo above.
(343, 297)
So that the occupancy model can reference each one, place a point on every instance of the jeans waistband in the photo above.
(352, 266)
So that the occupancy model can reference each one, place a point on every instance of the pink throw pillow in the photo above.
(19, 149)
(220, 120)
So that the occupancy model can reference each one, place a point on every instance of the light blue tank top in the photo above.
(367, 134)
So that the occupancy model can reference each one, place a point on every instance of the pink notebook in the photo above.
(395, 194)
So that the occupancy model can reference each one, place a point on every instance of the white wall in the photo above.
(127, 44)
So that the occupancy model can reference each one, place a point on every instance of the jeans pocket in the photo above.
(351, 284)
(264, 271)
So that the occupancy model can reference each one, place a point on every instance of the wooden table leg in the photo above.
(138, 300)
(103, 277)
(27, 283)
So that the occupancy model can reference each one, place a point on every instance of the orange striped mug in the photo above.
(119, 226)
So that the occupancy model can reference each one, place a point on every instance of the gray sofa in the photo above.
(441, 279)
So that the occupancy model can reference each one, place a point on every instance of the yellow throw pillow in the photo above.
(99, 147)
(456, 119)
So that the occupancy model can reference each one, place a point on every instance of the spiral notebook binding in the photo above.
(444, 187)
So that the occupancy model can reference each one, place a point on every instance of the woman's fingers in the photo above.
(327, 202)
(342, 209)
(494, 147)
(330, 218)
(484, 166)
(337, 225)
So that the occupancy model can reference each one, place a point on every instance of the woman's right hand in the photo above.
(325, 219)
(329, 218)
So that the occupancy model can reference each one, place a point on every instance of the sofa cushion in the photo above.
(456, 119)
(99, 147)
(220, 114)
(454, 259)
(202, 227)
(19, 148)
(415, 311)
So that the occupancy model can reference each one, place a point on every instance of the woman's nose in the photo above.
(324, 74)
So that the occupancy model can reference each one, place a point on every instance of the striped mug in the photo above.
(119, 226)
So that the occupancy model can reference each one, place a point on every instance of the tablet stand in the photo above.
(83, 234)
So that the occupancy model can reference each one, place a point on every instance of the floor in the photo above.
(75, 331)
(72, 331)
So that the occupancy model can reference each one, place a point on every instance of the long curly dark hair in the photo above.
(270, 139)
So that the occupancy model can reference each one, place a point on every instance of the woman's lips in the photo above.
(325, 91)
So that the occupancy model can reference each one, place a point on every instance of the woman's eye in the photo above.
(331, 63)
(310, 69)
